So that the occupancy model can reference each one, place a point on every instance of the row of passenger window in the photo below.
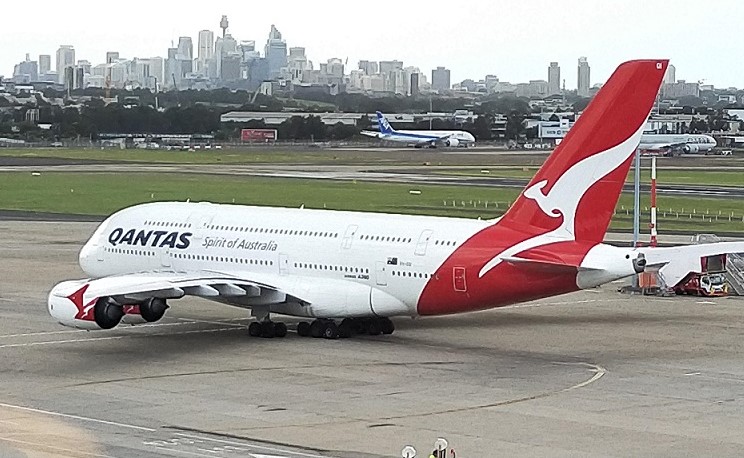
(130, 252)
(397, 273)
(261, 230)
(200, 257)
(382, 238)
(444, 242)
(347, 269)
(166, 224)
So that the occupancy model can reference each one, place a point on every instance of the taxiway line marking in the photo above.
(95, 339)
(140, 326)
(76, 417)
(248, 445)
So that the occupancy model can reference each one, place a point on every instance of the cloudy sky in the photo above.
(513, 39)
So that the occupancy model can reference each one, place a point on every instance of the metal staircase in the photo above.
(735, 273)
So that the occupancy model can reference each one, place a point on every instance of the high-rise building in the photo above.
(670, 77)
(205, 51)
(440, 79)
(275, 52)
(65, 58)
(584, 80)
(414, 84)
(112, 57)
(185, 48)
(368, 67)
(45, 64)
(387, 66)
(554, 78)
(27, 71)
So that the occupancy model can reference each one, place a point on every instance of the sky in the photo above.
(513, 39)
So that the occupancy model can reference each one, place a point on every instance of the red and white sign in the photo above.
(258, 135)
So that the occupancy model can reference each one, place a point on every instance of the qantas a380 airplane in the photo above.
(362, 268)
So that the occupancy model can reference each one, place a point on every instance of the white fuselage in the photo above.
(659, 141)
(360, 254)
(422, 136)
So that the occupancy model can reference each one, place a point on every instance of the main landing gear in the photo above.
(267, 329)
(328, 329)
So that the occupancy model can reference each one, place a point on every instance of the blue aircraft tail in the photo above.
(384, 125)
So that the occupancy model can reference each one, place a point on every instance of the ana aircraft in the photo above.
(677, 143)
(363, 268)
(420, 138)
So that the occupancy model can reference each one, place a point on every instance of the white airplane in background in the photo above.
(363, 268)
(677, 143)
(420, 138)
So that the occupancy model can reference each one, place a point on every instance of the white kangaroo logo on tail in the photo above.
(563, 198)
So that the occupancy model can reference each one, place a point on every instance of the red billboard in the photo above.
(258, 135)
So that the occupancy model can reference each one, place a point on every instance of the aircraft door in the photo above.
(165, 257)
(349, 236)
(381, 273)
(283, 264)
(458, 278)
(423, 242)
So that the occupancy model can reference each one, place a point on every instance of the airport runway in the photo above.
(383, 173)
(588, 374)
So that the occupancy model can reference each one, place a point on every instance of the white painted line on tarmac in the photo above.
(248, 445)
(75, 417)
(124, 326)
(94, 339)
(706, 302)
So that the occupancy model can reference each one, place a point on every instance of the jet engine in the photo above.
(691, 148)
(153, 309)
(452, 142)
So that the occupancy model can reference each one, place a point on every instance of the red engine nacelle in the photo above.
(71, 305)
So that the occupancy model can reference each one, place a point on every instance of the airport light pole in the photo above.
(636, 205)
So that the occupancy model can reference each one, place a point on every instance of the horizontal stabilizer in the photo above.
(544, 265)
(681, 260)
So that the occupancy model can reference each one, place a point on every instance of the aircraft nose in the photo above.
(87, 257)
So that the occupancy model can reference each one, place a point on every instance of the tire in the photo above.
(316, 329)
(345, 329)
(303, 329)
(280, 329)
(330, 330)
(374, 328)
(267, 330)
(386, 326)
(254, 329)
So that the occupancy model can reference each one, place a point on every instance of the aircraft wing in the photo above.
(371, 133)
(679, 261)
(174, 285)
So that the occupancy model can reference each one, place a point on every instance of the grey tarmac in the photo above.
(593, 373)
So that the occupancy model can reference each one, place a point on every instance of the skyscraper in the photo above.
(554, 78)
(205, 51)
(275, 52)
(670, 77)
(112, 57)
(65, 58)
(45, 64)
(185, 48)
(440, 79)
(584, 80)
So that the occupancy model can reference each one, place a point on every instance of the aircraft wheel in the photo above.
(303, 329)
(316, 329)
(280, 329)
(330, 330)
(267, 329)
(254, 329)
(346, 328)
(386, 326)
(374, 328)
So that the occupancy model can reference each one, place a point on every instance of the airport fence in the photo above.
(690, 214)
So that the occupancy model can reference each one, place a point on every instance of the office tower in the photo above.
(554, 78)
(65, 59)
(440, 79)
(584, 80)
(275, 52)
(45, 64)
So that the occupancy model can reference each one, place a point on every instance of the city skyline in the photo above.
(469, 44)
